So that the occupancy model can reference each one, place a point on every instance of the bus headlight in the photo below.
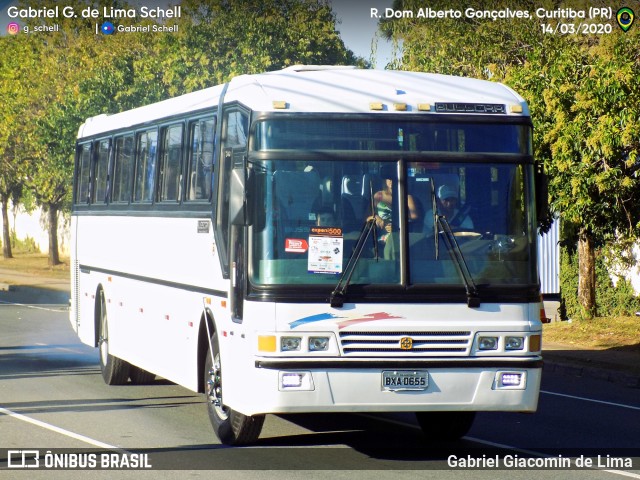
(488, 343)
(318, 344)
(290, 344)
(514, 343)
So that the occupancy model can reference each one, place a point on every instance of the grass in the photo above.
(34, 263)
(600, 333)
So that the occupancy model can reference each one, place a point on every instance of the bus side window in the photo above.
(200, 159)
(145, 166)
(84, 168)
(100, 172)
(123, 170)
(171, 164)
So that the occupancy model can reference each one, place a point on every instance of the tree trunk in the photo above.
(6, 230)
(586, 274)
(54, 256)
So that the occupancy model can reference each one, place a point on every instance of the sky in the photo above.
(356, 27)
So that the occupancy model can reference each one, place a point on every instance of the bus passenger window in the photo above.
(123, 170)
(200, 161)
(145, 166)
(84, 166)
(171, 164)
(100, 172)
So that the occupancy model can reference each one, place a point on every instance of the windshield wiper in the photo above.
(338, 295)
(434, 211)
(473, 299)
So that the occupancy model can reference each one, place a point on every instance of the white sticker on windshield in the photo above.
(325, 250)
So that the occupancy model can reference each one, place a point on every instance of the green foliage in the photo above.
(51, 83)
(583, 95)
(611, 300)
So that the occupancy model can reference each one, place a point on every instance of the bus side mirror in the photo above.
(542, 200)
(239, 204)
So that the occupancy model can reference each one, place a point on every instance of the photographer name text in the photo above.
(91, 12)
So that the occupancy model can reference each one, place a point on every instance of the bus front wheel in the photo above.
(231, 427)
(115, 371)
(447, 426)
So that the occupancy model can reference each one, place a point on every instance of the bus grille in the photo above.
(389, 343)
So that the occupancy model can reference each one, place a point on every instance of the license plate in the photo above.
(405, 380)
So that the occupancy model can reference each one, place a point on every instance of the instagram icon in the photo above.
(13, 28)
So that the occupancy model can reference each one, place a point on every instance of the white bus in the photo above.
(316, 239)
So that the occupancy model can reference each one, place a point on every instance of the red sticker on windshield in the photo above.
(295, 245)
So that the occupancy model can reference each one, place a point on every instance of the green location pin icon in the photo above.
(625, 18)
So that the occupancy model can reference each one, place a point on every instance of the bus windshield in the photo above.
(312, 203)
(312, 214)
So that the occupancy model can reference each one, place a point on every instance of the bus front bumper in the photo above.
(288, 386)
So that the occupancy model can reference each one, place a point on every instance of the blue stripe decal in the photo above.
(313, 318)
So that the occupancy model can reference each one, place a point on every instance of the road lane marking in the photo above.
(612, 404)
(61, 308)
(53, 428)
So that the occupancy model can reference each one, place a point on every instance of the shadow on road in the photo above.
(34, 295)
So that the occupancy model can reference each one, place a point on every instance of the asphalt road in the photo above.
(53, 399)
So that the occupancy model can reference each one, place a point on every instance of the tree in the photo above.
(18, 56)
(583, 94)
(218, 40)
(76, 74)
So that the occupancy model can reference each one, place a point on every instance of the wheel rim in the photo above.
(215, 389)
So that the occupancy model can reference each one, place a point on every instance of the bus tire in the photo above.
(115, 371)
(139, 376)
(447, 426)
(231, 427)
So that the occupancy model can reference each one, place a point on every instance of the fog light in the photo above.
(510, 380)
(488, 343)
(318, 344)
(291, 380)
(290, 344)
(514, 343)
(296, 381)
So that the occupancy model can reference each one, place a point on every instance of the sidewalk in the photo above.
(617, 366)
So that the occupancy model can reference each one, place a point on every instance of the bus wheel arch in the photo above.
(115, 371)
(230, 426)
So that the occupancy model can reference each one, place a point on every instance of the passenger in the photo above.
(383, 204)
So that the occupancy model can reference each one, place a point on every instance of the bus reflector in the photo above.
(424, 107)
(279, 104)
(376, 106)
(515, 108)
(400, 107)
(266, 343)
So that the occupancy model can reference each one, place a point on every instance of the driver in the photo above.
(458, 218)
